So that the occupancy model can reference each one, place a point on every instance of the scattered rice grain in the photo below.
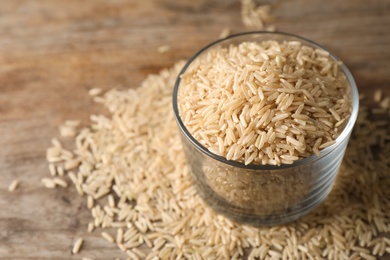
(77, 245)
(108, 237)
(14, 184)
(164, 48)
(60, 182)
(49, 183)
(225, 33)
(95, 91)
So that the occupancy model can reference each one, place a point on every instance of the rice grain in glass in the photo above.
(264, 194)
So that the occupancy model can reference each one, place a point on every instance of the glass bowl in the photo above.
(264, 194)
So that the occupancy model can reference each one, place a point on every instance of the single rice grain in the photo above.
(108, 237)
(77, 245)
(14, 184)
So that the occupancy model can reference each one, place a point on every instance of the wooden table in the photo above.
(53, 51)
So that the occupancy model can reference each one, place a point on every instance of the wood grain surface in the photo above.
(53, 51)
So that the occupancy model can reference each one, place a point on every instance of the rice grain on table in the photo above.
(224, 33)
(67, 131)
(49, 183)
(77, 245)
(164, 48)
(60, 182)
(115, 156)
(95, 91)
(91, 227)
(90, 202)
(60, 170)
(132, 255)
(108, 237)
(56, 143)
(14, 184)
(72, 123)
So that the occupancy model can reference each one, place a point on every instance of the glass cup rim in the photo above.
(344, 134)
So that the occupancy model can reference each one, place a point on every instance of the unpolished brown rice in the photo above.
(108, 237)
(164, 48)
(224, 33)
(77, 245)
(49, 183)
(244, 101)
(135, 155)
(95, 91)
(14, 184)
(60, 182)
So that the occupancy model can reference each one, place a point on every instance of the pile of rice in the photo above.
(131, 169)
(264, 102)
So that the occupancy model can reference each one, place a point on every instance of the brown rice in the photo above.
(77, 245)
(242, 101)
(13, 186)
(135, 154)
